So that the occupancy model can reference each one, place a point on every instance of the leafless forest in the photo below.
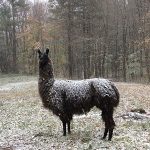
(87, 38)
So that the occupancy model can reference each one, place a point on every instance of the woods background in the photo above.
(87, 38)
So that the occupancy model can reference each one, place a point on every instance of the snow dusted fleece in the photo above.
(68, 97)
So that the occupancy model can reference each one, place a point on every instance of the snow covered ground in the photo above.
(16, 86)
(26, 125)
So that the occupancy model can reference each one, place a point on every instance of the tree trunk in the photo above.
(69, 34)
(14, 41)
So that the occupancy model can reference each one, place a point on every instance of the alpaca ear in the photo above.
(47, 51)
(39, 52)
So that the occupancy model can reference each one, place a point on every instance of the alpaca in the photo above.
(68, 97)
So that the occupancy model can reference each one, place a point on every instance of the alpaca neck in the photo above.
(46, 75)
(45, 85)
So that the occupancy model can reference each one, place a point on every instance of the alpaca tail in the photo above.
(116, 100)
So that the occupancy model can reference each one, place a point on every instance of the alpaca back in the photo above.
(82, 95)
(84, 88)
(78, 95)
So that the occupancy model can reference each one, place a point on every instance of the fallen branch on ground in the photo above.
(134, 115)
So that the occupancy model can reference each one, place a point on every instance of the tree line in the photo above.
(87, 38)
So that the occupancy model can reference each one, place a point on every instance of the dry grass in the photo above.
(26, 125)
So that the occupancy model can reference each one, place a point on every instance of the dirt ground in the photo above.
(26, 125)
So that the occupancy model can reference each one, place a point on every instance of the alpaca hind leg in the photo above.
(64, 128)
(107, 117)
(68, 123)
(110, 134)
(112, 125)
(105, 133)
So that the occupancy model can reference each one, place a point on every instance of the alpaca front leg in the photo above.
(64, 128)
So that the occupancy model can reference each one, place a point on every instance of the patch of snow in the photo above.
(16, 86)
(90, 114)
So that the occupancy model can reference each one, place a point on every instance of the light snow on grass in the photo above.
(26, 125)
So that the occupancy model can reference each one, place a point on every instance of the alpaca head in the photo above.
(45, 65)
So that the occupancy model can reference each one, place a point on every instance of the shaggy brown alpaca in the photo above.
(68, 97)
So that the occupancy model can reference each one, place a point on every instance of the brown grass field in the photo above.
(26, 125)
